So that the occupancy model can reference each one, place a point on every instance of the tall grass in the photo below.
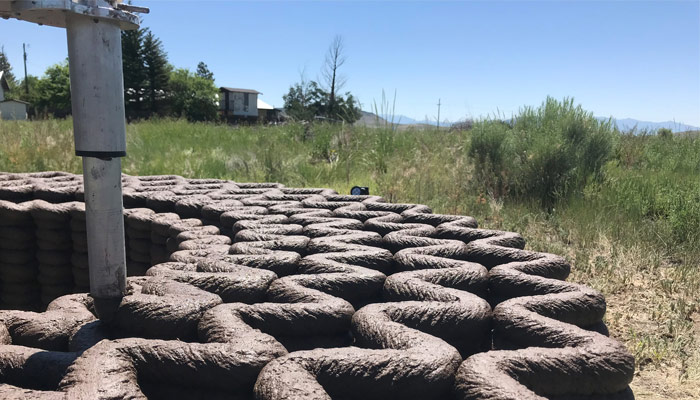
(625, 209)
(29, 146)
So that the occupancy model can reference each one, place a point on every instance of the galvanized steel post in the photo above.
(99, 126)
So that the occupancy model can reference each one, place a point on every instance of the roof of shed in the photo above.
(15, 101)
(3, 81)
(264, 106)
(228, 89)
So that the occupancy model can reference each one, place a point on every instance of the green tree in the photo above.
(134, 72)
(7, 68)
(192, 96)
(301, 102)
(33, 97)
(203, 71)
(157, 73)
(307, 100)
(53, 91)
(346, 108)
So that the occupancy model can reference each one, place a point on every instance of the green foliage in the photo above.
(344, 108)
(157, 74)
(203, 71)
(307, 100)
(664, 132)
(649, 189)
(300, 103)
(38, 146)
(7, 69)
(492, 151)
(657, 185)
(134, 71)
(192, 96)
(547, 155)
(146, 74)
(53, 91)
(32, 97)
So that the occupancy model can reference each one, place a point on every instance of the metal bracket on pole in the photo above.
(54, 12)
(97, 96)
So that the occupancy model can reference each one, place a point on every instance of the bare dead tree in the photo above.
(335, 58)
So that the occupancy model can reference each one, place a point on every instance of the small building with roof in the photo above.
(10, 109)
(237, 104)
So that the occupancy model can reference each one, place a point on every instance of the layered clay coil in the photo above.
(411, 339)
(267, 292)
(19, 288)
(549, 338)
(79, 257)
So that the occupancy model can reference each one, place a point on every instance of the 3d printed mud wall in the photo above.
(261, 291)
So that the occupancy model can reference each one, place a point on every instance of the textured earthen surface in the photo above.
(259, 291)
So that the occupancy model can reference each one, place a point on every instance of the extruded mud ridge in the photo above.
(245, 291)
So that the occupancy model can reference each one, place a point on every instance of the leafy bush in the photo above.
(53, 91)
(664, 132)
(548, 154)
(463, 125)
(192, 96)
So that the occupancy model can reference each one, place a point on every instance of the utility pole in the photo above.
(26, 82)
(438, 119)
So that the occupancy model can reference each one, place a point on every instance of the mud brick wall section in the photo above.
(259, 291)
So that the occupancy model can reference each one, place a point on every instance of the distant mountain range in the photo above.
(628, 124)
(623, 125)
(404, 120)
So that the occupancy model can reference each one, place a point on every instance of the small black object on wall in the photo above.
(359, 191)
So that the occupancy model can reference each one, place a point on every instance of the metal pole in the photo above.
(26, 82)
(97, 97)
(105, 232)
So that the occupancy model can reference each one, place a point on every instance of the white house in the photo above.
(10, 109)
(239, 103)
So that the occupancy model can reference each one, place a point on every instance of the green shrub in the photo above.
(548, 154)
(664, 132)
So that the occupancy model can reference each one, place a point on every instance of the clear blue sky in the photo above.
(625, 59)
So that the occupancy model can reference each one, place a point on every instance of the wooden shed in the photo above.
(10, 109)
(238, 104)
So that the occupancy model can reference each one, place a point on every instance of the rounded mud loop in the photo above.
(106, 307)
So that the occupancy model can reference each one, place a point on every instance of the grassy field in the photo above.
(633, 233)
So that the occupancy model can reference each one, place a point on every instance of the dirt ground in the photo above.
(657, 384)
